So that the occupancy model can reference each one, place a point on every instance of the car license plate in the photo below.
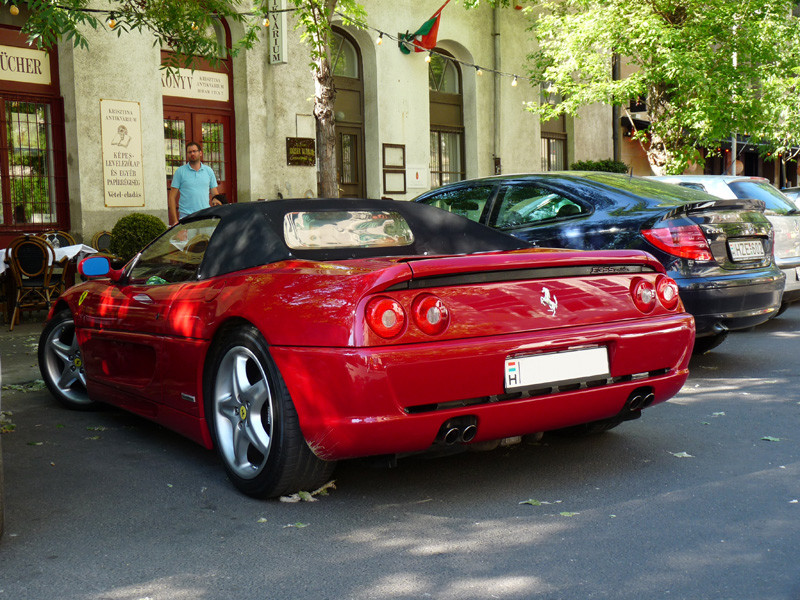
(747, 250)
(554, 368)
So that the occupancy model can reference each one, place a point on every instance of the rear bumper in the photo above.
(395, 399)
(732, 302)
(791, 289)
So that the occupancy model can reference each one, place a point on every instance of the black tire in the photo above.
(253, 422)
(709, 342)
(61, 362)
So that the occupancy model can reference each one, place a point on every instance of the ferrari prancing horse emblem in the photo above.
(551, 302)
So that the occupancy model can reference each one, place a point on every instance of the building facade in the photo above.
(88, 136)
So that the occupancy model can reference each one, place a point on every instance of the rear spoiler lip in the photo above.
(750, 204)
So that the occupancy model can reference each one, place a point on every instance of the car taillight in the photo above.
(430, 314)
(644, 294)
(385, 316)
(667, 291)
(686, 241)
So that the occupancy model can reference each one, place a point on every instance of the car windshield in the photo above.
(774, 200)
(175, 256)
(346, 229)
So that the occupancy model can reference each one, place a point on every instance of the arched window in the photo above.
(446, 120)
(349, 111)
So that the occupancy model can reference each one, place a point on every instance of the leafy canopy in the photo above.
(699, 64)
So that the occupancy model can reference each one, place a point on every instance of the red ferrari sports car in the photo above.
(294, 333)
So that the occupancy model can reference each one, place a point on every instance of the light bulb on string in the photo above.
(13, 10)
(379, 41)
(265, 21)
(429, 57)
(478, 70)
(514, 82)
(112, 21)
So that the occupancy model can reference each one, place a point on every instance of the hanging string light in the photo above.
(514, 82)
(478, 70)
(265, 21)
(13, 10)
(379, 41)
(429, 57)
(112, 21)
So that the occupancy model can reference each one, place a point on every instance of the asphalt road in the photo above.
(106, 506)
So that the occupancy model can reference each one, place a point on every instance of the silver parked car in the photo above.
(780, 210)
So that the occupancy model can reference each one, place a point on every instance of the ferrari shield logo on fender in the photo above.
(550, 301)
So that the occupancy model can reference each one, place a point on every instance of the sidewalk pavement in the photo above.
(18, 361)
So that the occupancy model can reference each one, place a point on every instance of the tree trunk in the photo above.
(657, 154)
(326, 132)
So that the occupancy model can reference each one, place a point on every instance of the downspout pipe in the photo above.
(497, 64)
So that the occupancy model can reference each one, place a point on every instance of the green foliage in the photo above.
(607, 165)
(700, 65)
(185, 26)
(134, 231)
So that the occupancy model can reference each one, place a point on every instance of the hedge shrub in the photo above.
(608, 165)
(133, 232)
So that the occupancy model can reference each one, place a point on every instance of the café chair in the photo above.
(58, 239)
(30, 261)
(101, 241)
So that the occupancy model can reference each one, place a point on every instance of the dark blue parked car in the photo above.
(718, 251)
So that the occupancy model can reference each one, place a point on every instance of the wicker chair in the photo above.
(58, 239)
(31, 261)
(101, 241)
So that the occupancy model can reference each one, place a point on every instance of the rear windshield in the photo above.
(774, 200)
(305, 230)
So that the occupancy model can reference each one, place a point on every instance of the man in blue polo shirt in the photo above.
(196, 184)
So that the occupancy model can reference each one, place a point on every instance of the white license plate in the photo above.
(556, 368)
(749, 250)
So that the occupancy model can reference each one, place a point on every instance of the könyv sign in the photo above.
(24, 65)
(195, 85)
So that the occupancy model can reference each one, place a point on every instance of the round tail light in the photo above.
(644, 294)
(430, 314)
(385, 316)
(667, 291)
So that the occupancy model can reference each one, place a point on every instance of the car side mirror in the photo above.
(98, 266)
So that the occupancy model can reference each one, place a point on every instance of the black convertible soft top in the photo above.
(251, 234)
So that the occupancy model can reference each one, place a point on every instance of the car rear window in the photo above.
(773, 199)
(305, 230)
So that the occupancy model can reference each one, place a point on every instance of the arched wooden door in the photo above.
(198, 107)
(349, 111)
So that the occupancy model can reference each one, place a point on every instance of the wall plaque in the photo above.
(300, 152)
(121, 132)
(195, 85)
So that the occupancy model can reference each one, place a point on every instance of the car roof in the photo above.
(701, 178)
(634, 187)
(252, 233)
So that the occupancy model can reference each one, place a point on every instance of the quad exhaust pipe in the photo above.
(460, 430)
(640, 398)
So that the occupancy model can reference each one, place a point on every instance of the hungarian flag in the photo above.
(423, 38)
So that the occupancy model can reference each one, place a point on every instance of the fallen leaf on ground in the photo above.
(532, 502)
(297, 525)
(303, 496)
(769, 438)
(681, 455)
(568, 514)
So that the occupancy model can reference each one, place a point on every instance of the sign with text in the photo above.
(300, 152)
(277, 32)
(123, 173)
(195, 85)
(24, 65)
